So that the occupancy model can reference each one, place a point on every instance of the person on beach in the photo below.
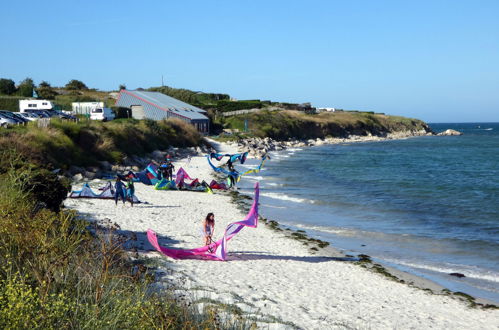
(130, 190)
(169, 170)
(208, 228)
(230, 166)
(232, 181)
(120, 191)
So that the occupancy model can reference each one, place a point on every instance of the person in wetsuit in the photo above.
(119, 191)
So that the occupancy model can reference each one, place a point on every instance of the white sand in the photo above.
(270, 274)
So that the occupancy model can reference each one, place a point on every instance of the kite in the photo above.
(233, 157)
(107, 192)
(220, 247)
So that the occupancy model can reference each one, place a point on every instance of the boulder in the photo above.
(450, 132)
(78, 177)
(459, 275)
(75, 169)
(90, 175)
(105, 165)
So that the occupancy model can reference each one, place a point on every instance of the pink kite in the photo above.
(218, 248)
(181, 176)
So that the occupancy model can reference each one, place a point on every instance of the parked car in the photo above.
(28, 115)
(11, 115)
(39, 113)
(103, 114)
(6, 121)
(63, 115)
(18, 116)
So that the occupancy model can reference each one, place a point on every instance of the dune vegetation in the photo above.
(58, 270)
(85, 143)
(289, 124)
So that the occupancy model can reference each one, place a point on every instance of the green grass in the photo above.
(284, 125)
(59, 271)
(66, 143)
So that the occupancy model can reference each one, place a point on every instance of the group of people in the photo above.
(166, 169)
(124, 191)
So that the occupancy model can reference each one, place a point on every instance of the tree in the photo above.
(44, 84)
(45, 91)
(7, 86)
(26, 87)
(122, 86)
(76, 85)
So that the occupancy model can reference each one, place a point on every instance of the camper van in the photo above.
(25, 105)
(103, 114)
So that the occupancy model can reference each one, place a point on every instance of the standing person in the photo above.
(230, 166)
(120, 191)
(208, 228)
(130, 190)
(169, 169)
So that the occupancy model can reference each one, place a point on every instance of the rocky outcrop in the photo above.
(258, 147)
(131, 163)
(450, 132)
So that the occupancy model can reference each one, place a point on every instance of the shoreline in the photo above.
(271, 279)
(379, 266)
(419, 281)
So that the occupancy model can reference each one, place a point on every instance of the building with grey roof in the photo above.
(158, 106)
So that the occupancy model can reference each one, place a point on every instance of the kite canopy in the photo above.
(107, 192)
(216, 185)
(148, 176)
(235, 174)
(233, 157)
(85, 192)
(165, 184)
(219, 247)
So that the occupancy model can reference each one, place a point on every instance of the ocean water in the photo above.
(427, 205)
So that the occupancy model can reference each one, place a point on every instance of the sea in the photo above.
(425, 205)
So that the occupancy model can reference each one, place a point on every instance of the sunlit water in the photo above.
(429, 205)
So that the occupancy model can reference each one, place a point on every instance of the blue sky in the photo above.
(433, 60)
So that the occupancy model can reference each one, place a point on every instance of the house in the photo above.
(158, 106)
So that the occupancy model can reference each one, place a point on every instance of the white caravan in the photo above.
(35, 105)
(103, 114)
(85, 108)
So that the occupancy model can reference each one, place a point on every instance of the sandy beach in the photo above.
(271, 277)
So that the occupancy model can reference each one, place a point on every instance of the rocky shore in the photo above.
(255, 146)
(133, 163)
(258, 147)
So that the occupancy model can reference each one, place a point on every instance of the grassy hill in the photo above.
(85, 143)
(284, 125)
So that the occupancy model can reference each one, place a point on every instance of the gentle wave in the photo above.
(252, 177)
(476, 274)
(286, 198)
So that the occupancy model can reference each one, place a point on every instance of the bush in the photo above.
(26, 88)
(67, 143)
(7, 86)
(227, 105)
(75, 85)
(10, 103)
(59, 271)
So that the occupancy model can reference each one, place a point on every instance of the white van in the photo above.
(103, 114)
